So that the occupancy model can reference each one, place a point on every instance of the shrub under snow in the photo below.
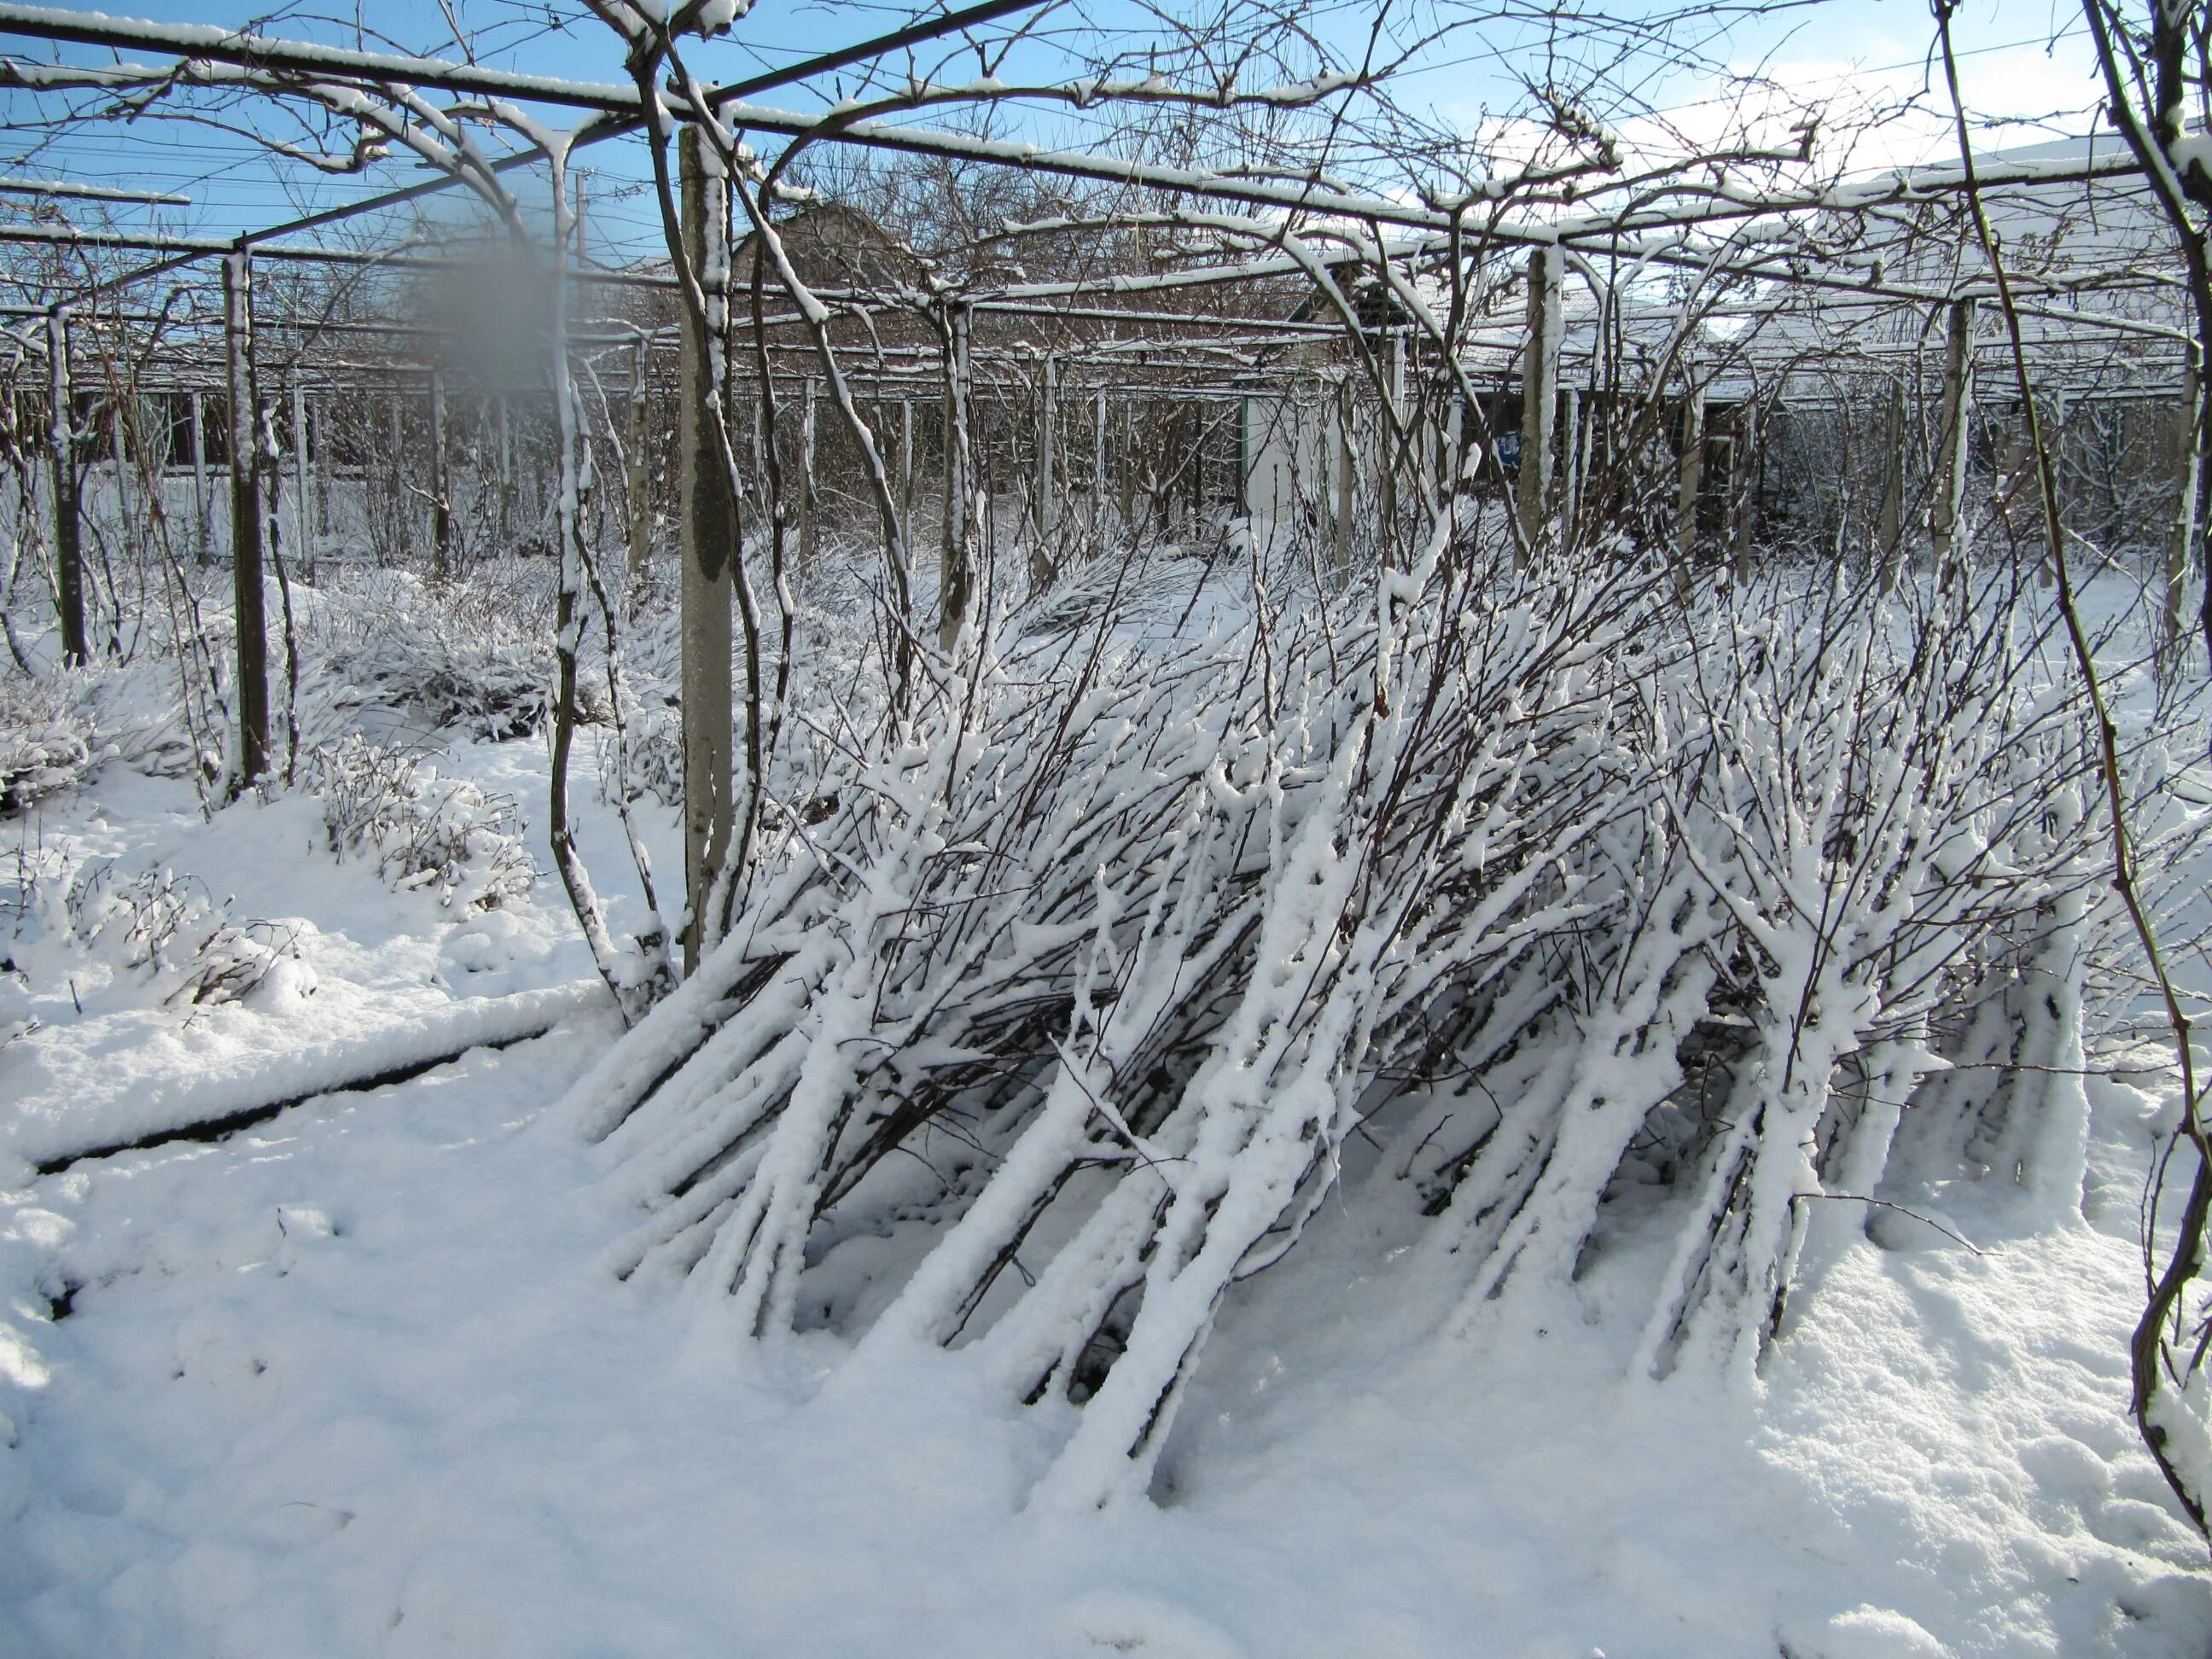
(422, 830)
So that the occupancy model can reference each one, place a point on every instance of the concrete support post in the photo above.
(1889, 524)
(1743, 489)
(709, 522)
(2181, 537)
(1348, 479)
(1691, 478)
(1098, 467)
(1539, 394)
(1455, 441)
(638, 486)
(956, 563)
(69, 532)
(1574, 450)
(441, 505)
(810, 493)
(1951, 441)
(303, 501)
(247, 509)
(1042, 563)
(906, 466)
(200, 506)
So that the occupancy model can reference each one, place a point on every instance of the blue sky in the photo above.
(1864, 53)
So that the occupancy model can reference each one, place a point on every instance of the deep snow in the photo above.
(358, 1380)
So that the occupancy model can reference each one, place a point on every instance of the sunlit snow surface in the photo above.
(358, 1380)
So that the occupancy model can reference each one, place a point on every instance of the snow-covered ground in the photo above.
(358, 1379)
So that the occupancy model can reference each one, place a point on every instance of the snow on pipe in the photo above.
(216, 1100)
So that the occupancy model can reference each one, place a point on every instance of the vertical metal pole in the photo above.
(709, 521)
(1540, 393)
(246, 509)
(69, 556)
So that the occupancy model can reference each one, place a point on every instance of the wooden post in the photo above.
(1692, 470)
(956, 561)
(199, 475)
(246, 523)
(1889, 526)
(1950, 445)
(69, 556)
(710, 518)
(2181, 538)
(1539, 394)
(640, 480)
(441, 507)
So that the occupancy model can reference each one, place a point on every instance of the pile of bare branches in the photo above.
(1079, 977)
